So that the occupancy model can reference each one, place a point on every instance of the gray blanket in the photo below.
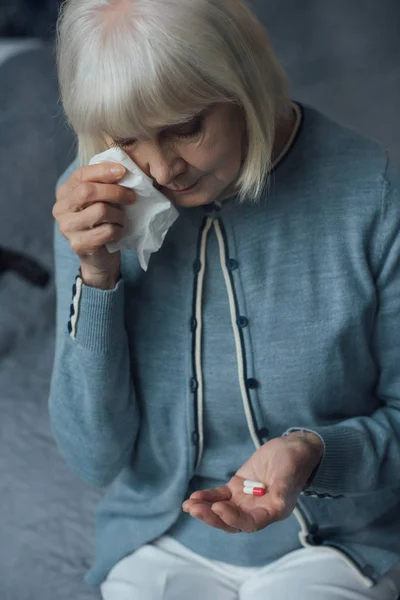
(341, 57)
(46, 514)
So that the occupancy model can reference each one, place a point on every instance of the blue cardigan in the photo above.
(311, 275)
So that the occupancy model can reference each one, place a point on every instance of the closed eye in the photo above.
(123, 144)
(187, 130)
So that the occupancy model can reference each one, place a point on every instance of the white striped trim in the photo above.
(198, 340)
(239, 354)
(250, 423)
(76, 302)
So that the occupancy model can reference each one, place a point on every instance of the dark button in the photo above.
(195, 438)
(232, 264)
(314, 539)
(197, 265)
(193, 324)
(252, 384)
(71, 310)
(69, 327)
(263, 432)
(74, 289)
(369, 571)
(193, 385)
(242, 322)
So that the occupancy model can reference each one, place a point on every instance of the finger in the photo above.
(203, 512)
(88, 242)
(189, 504)
(79, 197)
(92, 216)
(106, 172)
(247, 521)
(102, 173)
(213, 495)
(90, 192)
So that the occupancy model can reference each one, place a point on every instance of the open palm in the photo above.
(282, 464)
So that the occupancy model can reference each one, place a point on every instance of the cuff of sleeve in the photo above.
(97, 316)
(343, 451)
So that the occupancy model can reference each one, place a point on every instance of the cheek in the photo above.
(219, 158)
(227, 160)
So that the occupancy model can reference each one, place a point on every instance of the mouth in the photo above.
(184, 190)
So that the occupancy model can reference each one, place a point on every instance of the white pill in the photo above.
(251, 484)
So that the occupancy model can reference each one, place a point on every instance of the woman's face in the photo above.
(194, 163)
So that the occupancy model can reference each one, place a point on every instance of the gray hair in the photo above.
(161, 62)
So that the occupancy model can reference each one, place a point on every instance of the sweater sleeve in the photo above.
(362, 454)
(93, 411)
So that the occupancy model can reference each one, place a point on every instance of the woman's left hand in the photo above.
(283, 464)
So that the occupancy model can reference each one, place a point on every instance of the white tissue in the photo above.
(149, 218)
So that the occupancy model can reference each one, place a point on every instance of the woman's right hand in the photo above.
(90, 213)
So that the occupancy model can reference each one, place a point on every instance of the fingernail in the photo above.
(117, 170)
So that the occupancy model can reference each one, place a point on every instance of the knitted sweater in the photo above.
(252, 320)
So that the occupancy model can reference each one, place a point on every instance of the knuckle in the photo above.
(65, 225)
(76, 245)
(120, 193)
(101, 211)
(109, 230)
(86, 191)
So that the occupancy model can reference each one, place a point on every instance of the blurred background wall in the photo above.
(20, 18)
(342, 57)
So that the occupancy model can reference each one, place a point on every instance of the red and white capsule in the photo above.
(253, 488)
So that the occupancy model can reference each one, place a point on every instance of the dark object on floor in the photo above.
(24, 266)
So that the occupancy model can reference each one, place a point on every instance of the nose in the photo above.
(163, 164)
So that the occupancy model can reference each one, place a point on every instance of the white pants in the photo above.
(166, 570)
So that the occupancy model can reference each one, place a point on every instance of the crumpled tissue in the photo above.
(149, 218)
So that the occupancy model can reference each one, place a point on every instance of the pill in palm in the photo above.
(254, 491)
(251, 484)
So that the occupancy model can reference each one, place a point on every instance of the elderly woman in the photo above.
(261, 344)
